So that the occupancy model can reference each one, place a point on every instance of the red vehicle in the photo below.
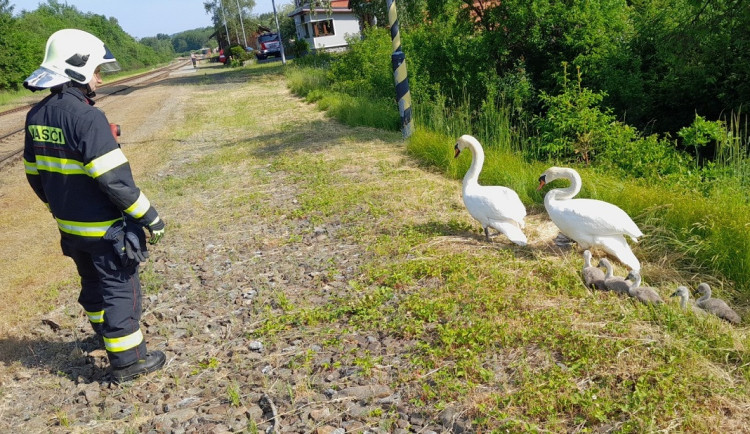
(222, 57)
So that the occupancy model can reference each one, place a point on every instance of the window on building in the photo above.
(323, 28)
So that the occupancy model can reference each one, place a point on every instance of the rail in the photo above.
(9, 144)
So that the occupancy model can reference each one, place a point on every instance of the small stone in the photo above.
(327, 429)
(256, 346)
(366, 392)
(321, 414)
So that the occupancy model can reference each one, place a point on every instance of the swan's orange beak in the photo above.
(456, 151)
(542, 181)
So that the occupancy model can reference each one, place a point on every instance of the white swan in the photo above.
(589, 222)
(492, 206)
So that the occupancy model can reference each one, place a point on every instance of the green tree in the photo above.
(695, 58)
(23, 39)
(227, 13)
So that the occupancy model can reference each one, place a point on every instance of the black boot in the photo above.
(153, 362)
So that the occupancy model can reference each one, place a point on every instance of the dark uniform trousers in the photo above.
(111, 296)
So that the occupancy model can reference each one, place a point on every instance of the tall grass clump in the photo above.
(303, 80)
(722, 149)
(494, 125)
(355, 111)
(355, 87)
(501, 166)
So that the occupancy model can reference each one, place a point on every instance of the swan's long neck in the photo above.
(637, 281)
(706, 296)
(683, 301)
(570, 191)
(609, 272)
(477, 161)
(586, 261)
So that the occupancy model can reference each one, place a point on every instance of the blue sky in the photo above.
(141, 18)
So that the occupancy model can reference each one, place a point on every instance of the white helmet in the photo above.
(71, 54)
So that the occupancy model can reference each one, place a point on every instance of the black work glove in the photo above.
(135, 243)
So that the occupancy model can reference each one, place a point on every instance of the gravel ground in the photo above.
(216, 284)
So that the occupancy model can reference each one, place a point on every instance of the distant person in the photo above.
(76, 167)
(193, 59)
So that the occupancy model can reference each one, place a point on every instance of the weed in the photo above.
(233, 394)
(210, 363)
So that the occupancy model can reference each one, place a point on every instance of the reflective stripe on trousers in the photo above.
(108, 287)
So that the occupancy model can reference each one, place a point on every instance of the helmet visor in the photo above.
(112, 66)
(44, 78)
(109, 63)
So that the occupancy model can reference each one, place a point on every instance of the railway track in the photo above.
(12, 121)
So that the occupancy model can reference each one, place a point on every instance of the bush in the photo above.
(701, 133)
(365, 70)
(299, 47)
(239, 53)
(575, 129)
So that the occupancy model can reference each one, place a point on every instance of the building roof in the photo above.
(303, 6)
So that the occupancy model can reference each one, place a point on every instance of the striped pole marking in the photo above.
(398, 62)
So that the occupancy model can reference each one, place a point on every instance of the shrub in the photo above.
(239, 53)
(366, 68)
(573, 123)
(575, 128)
(702, 133)
(299, 47)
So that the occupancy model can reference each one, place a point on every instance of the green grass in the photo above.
(9, 99)
(692, 232)
(514, 336)
(508, 335)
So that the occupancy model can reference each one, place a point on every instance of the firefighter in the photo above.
(75, 165)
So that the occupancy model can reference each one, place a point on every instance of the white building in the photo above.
(325, 29)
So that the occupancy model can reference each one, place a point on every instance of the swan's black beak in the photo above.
(542, 181)
(674, 294)
(456, 151)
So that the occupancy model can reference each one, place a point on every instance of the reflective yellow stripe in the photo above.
(30, 167)
(96, 317)
(139, 207)
(117, 345)
(65, 166)
(105, 163)
(85, 229)
(156, 220)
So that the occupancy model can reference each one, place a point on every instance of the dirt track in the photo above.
(214, 277)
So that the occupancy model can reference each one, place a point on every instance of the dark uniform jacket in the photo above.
(76, 167)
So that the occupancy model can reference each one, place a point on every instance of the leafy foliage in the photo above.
(366, 68)
(23, 40)
(231, 16)
(575, 128)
